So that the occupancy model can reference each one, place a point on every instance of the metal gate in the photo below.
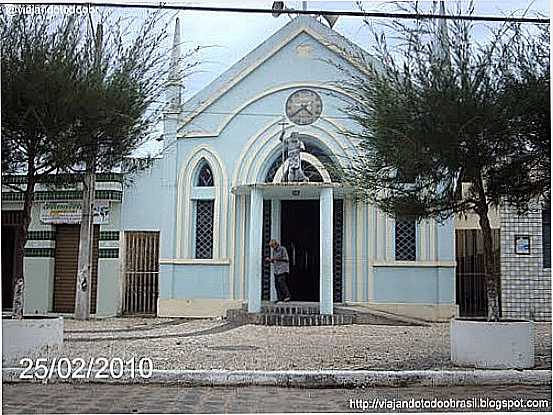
(266, 266)
(470, 273)
(141, 272)
(337, 259)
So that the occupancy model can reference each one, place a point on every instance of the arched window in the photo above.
(204, 207)
(310, 171)
(205, 176)
(204, 229)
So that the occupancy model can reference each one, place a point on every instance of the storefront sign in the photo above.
(71, 212)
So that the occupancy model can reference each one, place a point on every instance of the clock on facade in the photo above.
(304, 107)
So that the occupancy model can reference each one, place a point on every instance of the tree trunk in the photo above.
(20, 241)
(492, 279)
(84, 267)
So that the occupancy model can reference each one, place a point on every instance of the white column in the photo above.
(326, 217)
(275, 234)
(254, 251)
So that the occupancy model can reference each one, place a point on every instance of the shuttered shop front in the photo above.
(65, 279)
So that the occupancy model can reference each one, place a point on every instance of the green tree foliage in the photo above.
(39, 112)
(433, 109)
(81, 92)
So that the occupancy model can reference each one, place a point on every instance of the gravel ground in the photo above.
(216, 344)
(123, 323)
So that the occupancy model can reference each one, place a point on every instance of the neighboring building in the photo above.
(50, 262)
(195, 226)
(526, 263)
(522, 245)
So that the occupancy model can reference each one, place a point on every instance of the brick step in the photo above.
(304, 320)
(289, 309)
(298, 320)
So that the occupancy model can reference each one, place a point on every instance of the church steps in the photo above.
(308, 314)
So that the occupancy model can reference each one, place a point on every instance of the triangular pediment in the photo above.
(327, 37)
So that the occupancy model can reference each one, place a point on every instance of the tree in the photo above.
(435, 109)
(38, 108)
(76, 100)
(123, 77)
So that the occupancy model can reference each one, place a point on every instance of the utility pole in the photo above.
(86, 236)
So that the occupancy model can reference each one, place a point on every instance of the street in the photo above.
(103, 398)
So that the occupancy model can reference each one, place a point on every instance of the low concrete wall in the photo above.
(196, 307)
(427, 312)
(29, 338)
(492, 345)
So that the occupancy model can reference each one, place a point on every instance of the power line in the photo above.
(251, 114)
(385, 15)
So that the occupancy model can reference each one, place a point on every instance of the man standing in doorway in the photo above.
(281, 269)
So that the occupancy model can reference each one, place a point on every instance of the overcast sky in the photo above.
(233, 35)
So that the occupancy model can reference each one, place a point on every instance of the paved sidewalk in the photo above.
(63, 398)
(217, 344)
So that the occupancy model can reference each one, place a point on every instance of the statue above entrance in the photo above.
(291, 151)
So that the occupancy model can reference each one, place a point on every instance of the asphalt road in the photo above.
(102, 398)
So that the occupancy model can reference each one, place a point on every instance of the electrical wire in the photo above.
(416, 16)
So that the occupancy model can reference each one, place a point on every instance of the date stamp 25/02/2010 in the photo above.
(92, 368)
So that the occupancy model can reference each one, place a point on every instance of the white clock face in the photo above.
(304, 107)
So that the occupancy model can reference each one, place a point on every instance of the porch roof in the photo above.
(295, 190)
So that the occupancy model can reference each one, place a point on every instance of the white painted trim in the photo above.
(266, 92)
(41, 243)
(422, 238)
(232, 229)
(360, 258)
(370, 252)
(184, 219)
(433, 237)
(275, 234)
(243, 247)
(380, 235)
(390, 224)
(230, 83)
(308, 158)
(415, 264)
(186, 261)
(264, 144)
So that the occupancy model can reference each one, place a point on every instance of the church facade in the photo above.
(230, 180)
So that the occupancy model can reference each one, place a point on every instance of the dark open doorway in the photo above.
(9, 235)
(12, 263)
(300, 235)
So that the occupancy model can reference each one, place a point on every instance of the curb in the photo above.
(311, 378)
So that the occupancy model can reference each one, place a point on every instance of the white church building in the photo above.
(220, 193)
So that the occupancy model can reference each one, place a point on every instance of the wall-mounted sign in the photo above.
(522, 244)
(71, 212)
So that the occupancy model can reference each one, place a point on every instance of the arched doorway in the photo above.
(299, 229)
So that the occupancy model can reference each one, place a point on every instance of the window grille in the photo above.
(204, 229)
(546, 236)
(406, 239)
(205, 176)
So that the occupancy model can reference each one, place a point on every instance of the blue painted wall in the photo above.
(426, 285)
(150, 203)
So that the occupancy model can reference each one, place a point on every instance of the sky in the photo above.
(230, 36)
(233, 36)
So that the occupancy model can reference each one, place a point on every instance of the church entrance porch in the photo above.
(266, 202)
(300, 235)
